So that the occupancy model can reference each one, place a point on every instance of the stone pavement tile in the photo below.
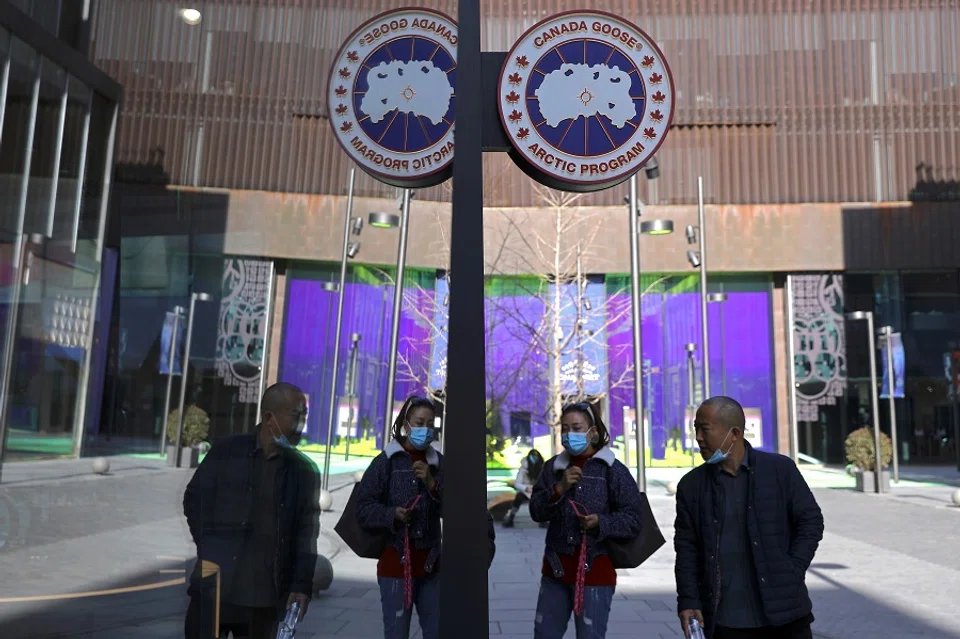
(668, 617)
(883, 570)
(638, 628)
(518, 627)
(498, 613)
(883, 594)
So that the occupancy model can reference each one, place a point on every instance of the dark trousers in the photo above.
(520, 499)
(799, 629)
(251, 623)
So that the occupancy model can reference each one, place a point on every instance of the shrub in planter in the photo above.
(860, 452)
(196, 426)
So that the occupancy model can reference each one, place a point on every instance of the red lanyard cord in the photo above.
(407, 565)
(580, 511)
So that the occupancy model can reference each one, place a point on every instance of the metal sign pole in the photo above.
(332, 407)
(705, 345)
(184, 369)
(463, 580)
(691, 400)
(637, 319)
(395, 319)
(171, 359)
(878, 465)
(891, 386)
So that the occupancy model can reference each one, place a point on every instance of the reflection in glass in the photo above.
(45, 150)
(76, 126)
(17, 131)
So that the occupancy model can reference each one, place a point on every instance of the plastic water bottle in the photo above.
(696, 632)
(288, 627)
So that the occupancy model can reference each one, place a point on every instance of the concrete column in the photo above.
(276, 327)
(780, 365)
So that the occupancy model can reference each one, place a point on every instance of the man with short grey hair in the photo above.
(747, 529)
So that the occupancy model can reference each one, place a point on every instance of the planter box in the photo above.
(189, 457)
(867, 484)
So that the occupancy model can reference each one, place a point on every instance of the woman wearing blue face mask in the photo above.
(400, 492)
(588, 498)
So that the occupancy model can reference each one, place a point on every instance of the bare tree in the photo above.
(430, 308)
(559, 331)
(556, 331)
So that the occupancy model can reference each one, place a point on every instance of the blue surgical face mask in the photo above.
(281, 439)
(718, 456)
(575, 443)
(420, 437)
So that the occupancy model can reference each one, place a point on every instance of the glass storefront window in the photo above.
(44, 163)
(925, 309)
(101, 120)
(17, 131)
(76, 124)
(741, 359)
(931, 304)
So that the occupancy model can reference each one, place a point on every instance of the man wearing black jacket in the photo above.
(252, 509)
(747, 529)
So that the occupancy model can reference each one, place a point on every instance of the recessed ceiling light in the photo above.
(191, 16)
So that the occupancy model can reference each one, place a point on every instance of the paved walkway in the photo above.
(877, 575)
(93, 557)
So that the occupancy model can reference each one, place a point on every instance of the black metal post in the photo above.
(463, 574)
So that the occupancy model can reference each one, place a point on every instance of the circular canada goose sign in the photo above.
(586, 99)
(392, 96)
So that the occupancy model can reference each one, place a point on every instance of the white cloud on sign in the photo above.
(580, 90)
(418, 88)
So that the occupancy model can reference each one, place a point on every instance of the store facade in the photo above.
(833, 392)
(228, 183)
(57, 131)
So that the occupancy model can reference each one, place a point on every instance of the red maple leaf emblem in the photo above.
(341, 109)
(656, 116)
(523, 134)
(522, 61)
(649, 133)
(648, 61)
(340, 91)
(344, 73)
(346, 127)
(658, 97)
(515, 78)
(513, 97)
(516, 116)
(656, 78)
(353, 56)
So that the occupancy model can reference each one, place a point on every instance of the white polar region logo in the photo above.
(586, 99)
(578, 90)
(392, 97)
(414, 88)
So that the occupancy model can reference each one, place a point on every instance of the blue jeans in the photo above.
(556, 603)
(396, 619)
